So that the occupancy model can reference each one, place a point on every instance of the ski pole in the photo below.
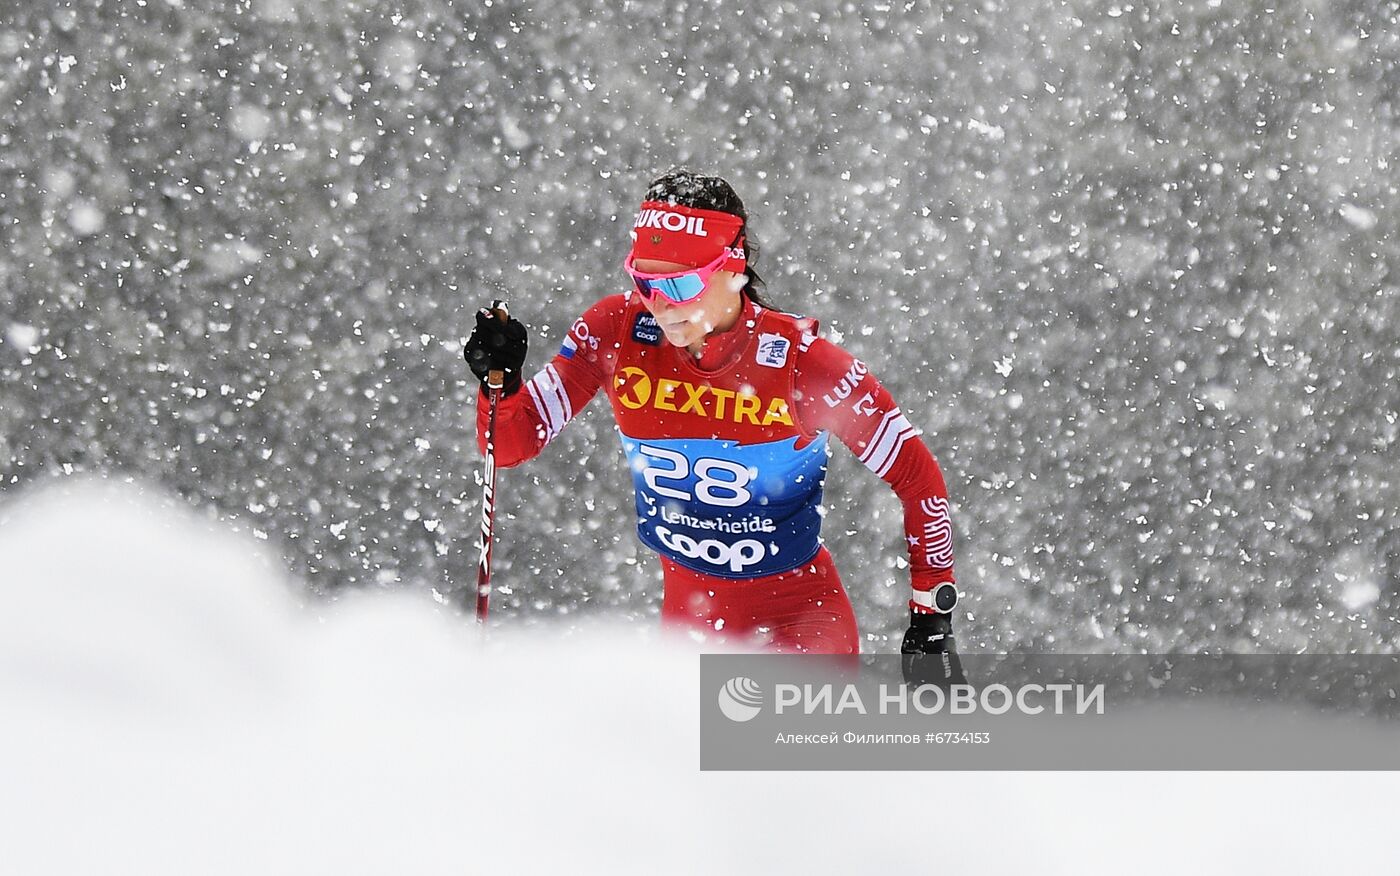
(495, 381)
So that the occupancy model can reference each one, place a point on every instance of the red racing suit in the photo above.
(728, 455)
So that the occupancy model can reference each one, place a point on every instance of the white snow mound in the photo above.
(171, 705)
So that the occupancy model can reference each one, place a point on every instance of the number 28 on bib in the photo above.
(726, 509)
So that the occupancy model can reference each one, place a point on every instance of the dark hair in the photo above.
(689, 189)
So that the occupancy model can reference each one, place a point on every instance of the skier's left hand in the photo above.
(928, 649)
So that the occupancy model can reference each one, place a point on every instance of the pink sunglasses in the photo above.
(680, 288)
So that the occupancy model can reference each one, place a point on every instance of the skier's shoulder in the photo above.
(804, 330)
(606, 311)
(803, 327)
(602, 320)
(797, 332)
(817, 356)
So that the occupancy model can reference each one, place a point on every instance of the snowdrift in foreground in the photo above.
(170, 706)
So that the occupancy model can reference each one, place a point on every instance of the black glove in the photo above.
(497, 345)
(929, 656)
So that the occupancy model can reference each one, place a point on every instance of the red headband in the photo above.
(687, 235)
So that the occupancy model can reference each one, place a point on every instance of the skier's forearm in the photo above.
(531, 418)
(915, 477)
(918, 481)
(519, 436)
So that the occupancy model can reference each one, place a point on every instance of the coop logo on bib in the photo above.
(736, 556)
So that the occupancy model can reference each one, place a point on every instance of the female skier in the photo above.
(725, 406)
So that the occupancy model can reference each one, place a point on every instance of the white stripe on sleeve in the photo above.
(884, 448)
(551, 401)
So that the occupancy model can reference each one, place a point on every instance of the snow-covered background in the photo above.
(1129, 265)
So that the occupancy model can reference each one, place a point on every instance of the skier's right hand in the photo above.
(497, 345)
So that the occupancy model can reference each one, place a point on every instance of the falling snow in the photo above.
(1130, 270)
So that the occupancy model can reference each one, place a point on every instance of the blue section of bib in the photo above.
(726, 509)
